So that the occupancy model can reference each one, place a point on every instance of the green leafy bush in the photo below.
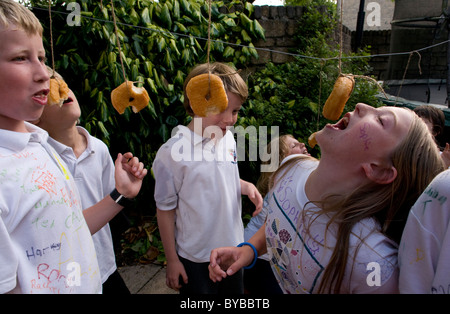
(160, 41)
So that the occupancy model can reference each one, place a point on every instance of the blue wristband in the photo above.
(254, 251)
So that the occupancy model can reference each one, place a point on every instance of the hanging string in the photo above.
(322, 64)
(51, 37)
(406, 69)
(208, 49)
(340, 37)
(118, 41)
(341, 50)
(256, 48)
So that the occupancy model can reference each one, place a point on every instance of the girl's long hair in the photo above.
(417, 161)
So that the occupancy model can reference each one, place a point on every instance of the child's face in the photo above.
(295, 147)
(227, 118)
(24, 80)
(55, 117)
(366, 134)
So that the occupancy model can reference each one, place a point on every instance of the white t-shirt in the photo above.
(200, 180)
(46, 245)
(93, 172)
(299, 254)
(424, 253)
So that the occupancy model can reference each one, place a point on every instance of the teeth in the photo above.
(41, 94)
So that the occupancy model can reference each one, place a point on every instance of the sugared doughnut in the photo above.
(59, 92)
(206, 94)
(126, 94)
(342, 89)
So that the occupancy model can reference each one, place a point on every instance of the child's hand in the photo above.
(129, 173)
(253, 194)
(226, 261)
(174, 271)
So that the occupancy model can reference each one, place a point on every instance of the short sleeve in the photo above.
(166, 194)
(8, 260)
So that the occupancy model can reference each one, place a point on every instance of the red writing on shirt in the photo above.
(49, 280)
(45, 181)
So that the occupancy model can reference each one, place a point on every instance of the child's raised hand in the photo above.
(129, 172)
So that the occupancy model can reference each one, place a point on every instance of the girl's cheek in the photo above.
(365, 137)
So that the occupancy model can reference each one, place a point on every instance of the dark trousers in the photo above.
(115, 285)
(199, 282)
(260, 279)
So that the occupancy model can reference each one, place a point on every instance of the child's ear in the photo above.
(381, 174)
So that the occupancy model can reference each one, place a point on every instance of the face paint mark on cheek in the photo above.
(364, 136)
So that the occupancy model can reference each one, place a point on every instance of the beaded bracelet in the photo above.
(254, 251)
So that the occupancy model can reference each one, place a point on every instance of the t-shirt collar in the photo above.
(17, 141)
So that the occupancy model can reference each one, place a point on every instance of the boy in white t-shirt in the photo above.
(424, 253)
(198, 191)
(46, 244)
(89, 161)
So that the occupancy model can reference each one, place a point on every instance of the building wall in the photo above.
(280, 24)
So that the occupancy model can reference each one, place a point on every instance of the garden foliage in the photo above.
(160, 42)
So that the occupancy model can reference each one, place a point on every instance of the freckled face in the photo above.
(365, 134)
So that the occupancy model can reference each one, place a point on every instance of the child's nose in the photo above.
(41, 73)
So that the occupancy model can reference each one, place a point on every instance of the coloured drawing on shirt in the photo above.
(286, 257)
(232, 153)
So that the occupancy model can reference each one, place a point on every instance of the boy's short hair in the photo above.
(232, 81)
(434, 115)
(13, 13)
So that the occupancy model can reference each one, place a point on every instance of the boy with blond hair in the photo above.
(46, 244)
(199, 199)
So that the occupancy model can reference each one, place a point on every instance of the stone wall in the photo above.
(280, 24)
(378, 43)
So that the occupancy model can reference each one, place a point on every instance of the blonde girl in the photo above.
(333, 225)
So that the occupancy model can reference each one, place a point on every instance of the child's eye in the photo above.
(19, 58)
(380, 120)
(43, 59)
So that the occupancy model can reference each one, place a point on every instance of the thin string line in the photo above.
(208, 95)
(118, 41)
(51, 36)
(404, 73)
(340, 38)
(256, 48)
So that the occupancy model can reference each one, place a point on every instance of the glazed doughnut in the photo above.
(312, 140)
(126, 94)
(342, 89)
(59, 92)
(206, 94)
